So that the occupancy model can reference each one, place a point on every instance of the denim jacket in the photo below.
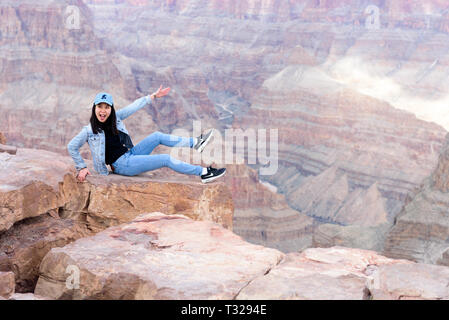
(97, 142)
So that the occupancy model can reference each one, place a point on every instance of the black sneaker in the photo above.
(212, 174)
(203, 140)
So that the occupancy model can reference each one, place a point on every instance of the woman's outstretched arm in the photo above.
(140, 103)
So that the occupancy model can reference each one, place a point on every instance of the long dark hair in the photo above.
(111, 123)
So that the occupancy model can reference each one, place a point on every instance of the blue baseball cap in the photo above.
(103, 97)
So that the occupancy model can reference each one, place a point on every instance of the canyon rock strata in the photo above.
(2, 138)
(420, 232)
(51, 72)
(262, 216)
(345, 159)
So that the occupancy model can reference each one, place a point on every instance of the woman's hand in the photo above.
(160, 92)
(82, 174)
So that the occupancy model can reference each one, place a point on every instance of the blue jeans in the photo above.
(138, 159)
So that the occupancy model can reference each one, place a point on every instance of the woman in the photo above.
(110, 143)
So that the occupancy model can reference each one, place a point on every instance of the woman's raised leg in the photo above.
(143, 163)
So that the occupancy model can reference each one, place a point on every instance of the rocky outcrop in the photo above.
(108, 201)
(411, 282)
(42, 206)
(319, 274)
(156, 256)
(36, 182)
(421, 230)
(29, 184)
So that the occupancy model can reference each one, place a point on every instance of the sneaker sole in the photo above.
(201, 148)
(214, 178)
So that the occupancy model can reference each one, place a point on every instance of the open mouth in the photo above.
(102, 117)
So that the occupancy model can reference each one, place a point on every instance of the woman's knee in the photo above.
(165, 159)
(170, 161)
(156, 135)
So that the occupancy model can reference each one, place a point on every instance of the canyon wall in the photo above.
(420, 230)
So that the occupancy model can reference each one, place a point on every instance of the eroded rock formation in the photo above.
(23, 246)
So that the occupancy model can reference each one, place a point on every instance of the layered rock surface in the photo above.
(159, 256)
(156, 256)
(261, 215)
(348, 274)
